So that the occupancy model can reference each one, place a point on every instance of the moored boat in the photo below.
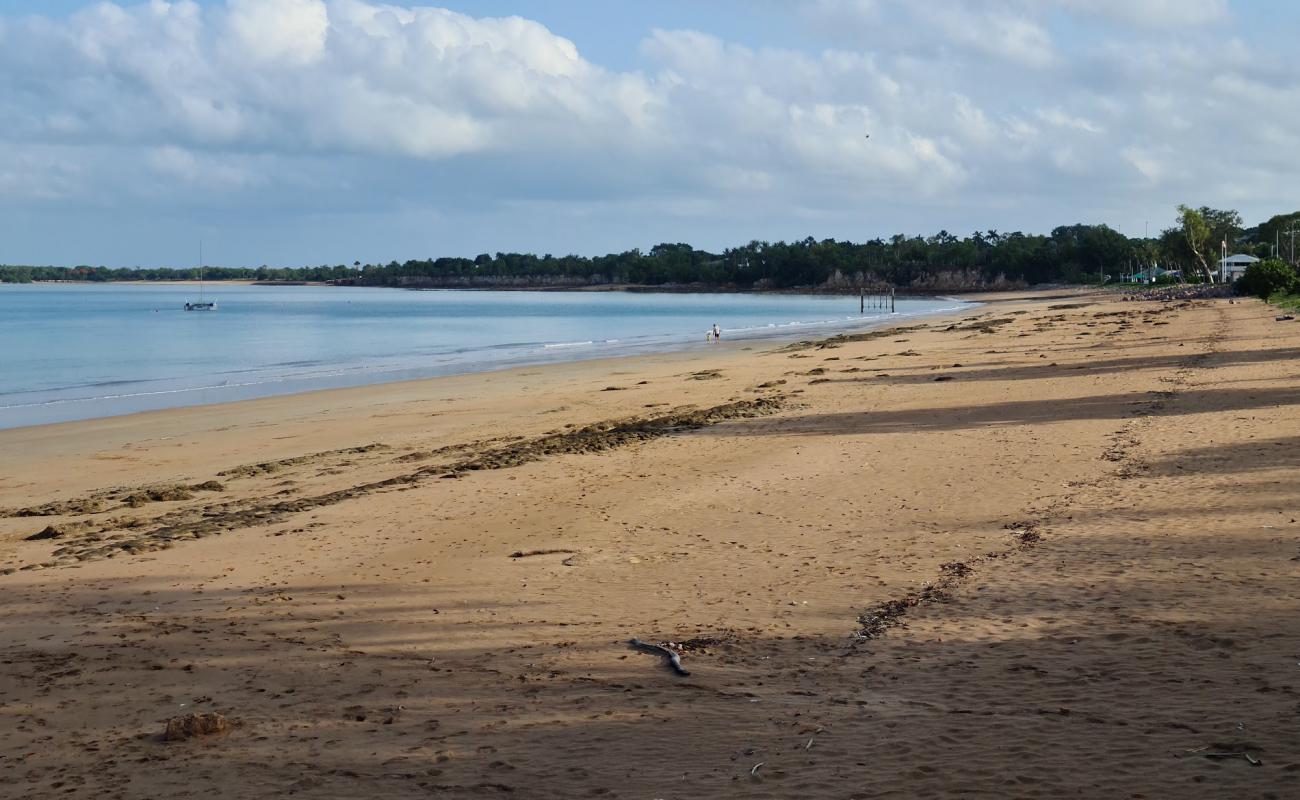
(202, 305)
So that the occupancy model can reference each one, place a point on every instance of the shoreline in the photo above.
(322, 415)
(546, 355)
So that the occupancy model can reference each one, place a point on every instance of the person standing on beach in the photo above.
(717, 332)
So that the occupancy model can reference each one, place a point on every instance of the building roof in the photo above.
(1239, 258)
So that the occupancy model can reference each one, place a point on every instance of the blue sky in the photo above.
(293, 132)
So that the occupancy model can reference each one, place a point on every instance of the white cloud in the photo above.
(271, 31)
(37, 173)
(996, 30)
(203, 173)
(1153, 13)
(1147, 162)
(295, 74)
(1058, 118)
(344, 107)
(995, 34)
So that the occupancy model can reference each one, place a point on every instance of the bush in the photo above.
(1265, 278)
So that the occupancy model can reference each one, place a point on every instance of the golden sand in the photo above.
(1046, 549)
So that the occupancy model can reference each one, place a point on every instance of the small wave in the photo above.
(285, 378)
(568, 344)
(128, 395)
(103, 384)
(478, 348)
(310, 363)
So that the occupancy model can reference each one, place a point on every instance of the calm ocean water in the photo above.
(72, 351)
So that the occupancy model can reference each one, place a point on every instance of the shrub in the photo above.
(1264, 278)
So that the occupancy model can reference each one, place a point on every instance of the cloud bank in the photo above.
(298, 128)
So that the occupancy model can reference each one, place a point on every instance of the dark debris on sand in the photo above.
(93, 540)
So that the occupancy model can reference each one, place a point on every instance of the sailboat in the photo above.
(202, 305)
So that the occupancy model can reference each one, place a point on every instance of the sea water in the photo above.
(81, 351)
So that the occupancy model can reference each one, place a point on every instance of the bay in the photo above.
(82, 351)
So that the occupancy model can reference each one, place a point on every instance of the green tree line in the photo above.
(1069, 254)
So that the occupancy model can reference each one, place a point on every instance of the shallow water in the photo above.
(78, 351)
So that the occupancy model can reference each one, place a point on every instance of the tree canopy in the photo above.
(1266, 277)
(944, 261)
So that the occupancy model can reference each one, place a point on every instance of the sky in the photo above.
(305, 132)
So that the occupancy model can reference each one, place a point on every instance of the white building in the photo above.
(1232, 267)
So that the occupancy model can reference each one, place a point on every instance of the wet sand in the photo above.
(1045, 549)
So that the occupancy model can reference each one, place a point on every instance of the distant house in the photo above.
(1232, 267)
(1152, 273)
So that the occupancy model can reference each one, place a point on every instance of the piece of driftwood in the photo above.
(1254, 762)
(674, 660)
(546, 552)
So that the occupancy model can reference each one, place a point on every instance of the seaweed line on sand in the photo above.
(89, 545)
(118, 498)
(873, 622)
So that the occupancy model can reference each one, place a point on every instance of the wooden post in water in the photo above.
(891, 300)
(862, 301)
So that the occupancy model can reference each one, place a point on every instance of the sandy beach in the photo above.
(1046, 548)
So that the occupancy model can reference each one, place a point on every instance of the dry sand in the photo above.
(1041, 551)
